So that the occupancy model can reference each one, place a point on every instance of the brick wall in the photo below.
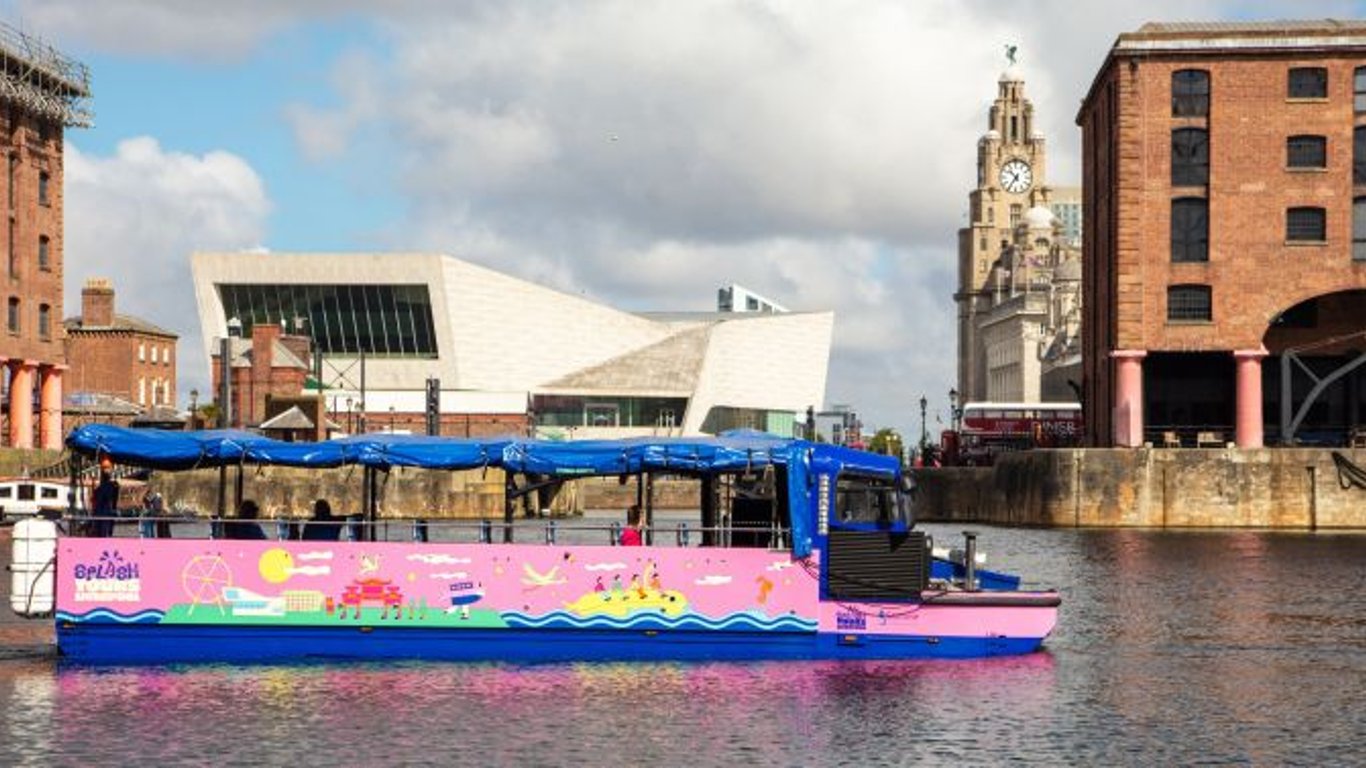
(1253, 272)
(28, 153)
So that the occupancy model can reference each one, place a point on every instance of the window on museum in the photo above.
(391, 320)
(44, 182)
(1189, 302)
(12, 318)
(154, 353)
(1306, 152)
(142, 352)
(1359, 229)
(1306, 225)
(44, 321)
(1308, 83)
(1190, 93)
(44, 253)
(1190, 229)
(1359, 89)
(1016, 211)
(1190, 157)
(1359, 156)
(142, 391)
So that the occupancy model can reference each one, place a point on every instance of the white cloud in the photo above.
(136, 216)
(645, 152)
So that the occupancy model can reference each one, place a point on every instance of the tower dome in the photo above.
(1011, 75)
(1039, 217)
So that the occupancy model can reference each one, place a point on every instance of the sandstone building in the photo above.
(43, 93)
(1018, 275)
(1225, 235)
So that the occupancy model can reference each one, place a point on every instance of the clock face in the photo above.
(1016, 176)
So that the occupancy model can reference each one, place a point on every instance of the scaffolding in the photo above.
(38, 78)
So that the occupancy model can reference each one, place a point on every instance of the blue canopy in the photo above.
(739, 451)
(161, 449)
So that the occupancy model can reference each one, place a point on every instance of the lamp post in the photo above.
(194, 409)
(954, 413)
(924, 436)
(391, 419)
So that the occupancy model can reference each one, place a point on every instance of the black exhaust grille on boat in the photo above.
(876, 565)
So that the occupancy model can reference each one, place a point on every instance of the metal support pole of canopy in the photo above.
(509, 498)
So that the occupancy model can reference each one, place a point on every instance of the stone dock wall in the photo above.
(1281, 488)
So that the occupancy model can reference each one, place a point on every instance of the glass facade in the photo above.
(724, 418)
(576, 411)
(381, 320)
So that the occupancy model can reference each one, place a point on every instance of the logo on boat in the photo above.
(850, 620)
(110, 579)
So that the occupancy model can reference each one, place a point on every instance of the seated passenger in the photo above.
(322, 526)
(245, 526)
(630, 535)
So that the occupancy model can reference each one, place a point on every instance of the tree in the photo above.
(887, 441)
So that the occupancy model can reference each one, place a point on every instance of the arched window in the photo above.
(1189, 302)
(1190, 229)
(44, 253)
(1306, 152)
(1190, 157)
(1190, 93)
(1306, 225)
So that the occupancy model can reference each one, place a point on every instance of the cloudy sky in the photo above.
(641, 152)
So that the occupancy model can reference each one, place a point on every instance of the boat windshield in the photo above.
(867, 501)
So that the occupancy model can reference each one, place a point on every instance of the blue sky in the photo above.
(642, 152)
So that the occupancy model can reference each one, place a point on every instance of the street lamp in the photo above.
(391, 419)
(924, 436)
(194, 409)
(954, 413)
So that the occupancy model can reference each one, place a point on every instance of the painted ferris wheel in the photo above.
(204, 579)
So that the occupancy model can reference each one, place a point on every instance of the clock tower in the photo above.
(1010, 181)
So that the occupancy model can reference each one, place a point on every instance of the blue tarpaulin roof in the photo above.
(739, 451)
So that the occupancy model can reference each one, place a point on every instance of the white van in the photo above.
(23, 498)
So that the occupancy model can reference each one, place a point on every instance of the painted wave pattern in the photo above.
(736, 622)
(106, 616)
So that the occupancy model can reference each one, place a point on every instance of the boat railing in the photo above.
(551, 531)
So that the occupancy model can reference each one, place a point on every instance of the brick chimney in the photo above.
(263, 338)
(97, 303)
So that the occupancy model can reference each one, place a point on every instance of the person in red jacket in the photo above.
(630, 535)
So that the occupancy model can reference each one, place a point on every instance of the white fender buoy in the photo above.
(33, 567)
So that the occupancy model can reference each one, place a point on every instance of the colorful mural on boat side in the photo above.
(299, 583)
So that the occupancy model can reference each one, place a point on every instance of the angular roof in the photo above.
(281, 355)
(121, 323)
(294, 418)
(670, 366)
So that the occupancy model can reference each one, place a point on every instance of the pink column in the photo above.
(50, 407)
(1128, 413)
(1249, 426)
(21, 403)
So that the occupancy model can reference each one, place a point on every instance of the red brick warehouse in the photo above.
(43, 92)
(1224, 250)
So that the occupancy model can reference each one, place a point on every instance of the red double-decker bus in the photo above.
(989, 429)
